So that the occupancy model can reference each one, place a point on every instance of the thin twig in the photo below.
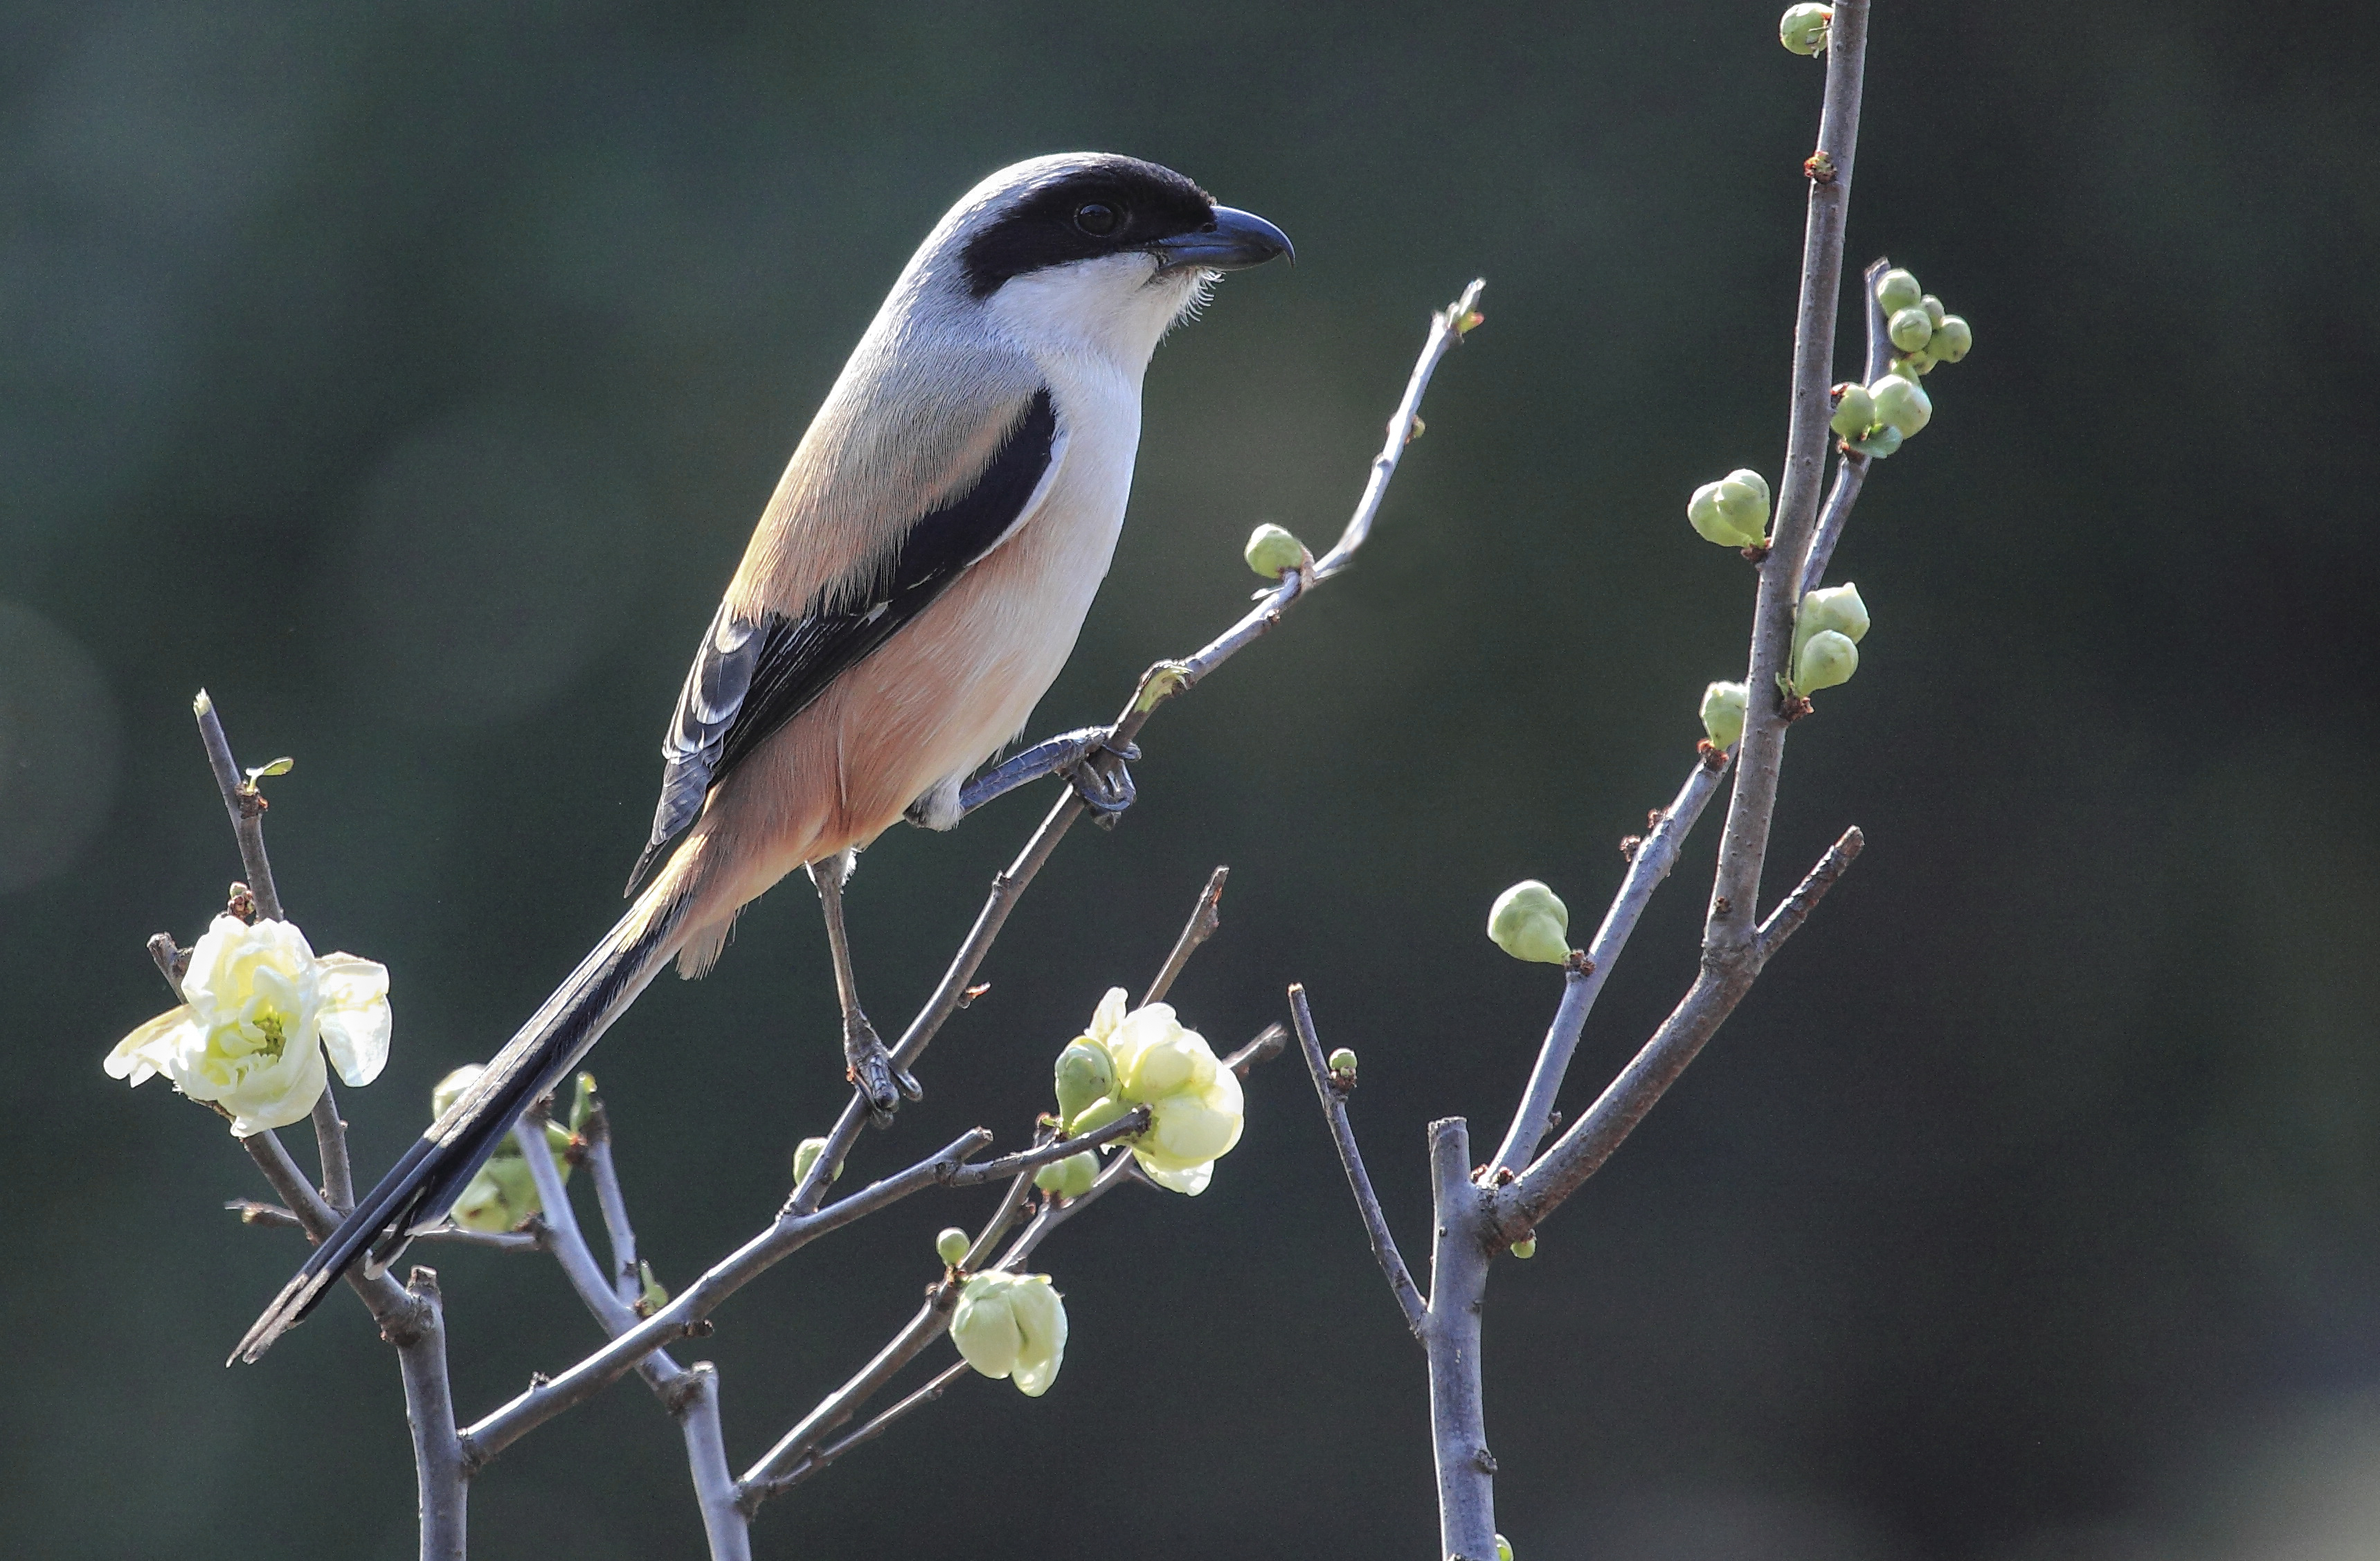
(1851, 467)
(788, 1465)
(818, 1458)
(331, 1143)
(439, 1475)
(243, 803)
(838, 1407)
(1730, 927)
(689, 1311)
(1165, 680)
(172, 959)
(568, 1243)
(1351, 1158)
(1582, 1148)
(1654, 855)
(274, 1216)
(1204, 917)
(246, 805)
(1024, 1162)
(394, 1310)
(627, 1282)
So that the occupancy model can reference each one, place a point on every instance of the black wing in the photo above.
(750, 678)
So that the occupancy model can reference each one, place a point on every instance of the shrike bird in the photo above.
(913, 587)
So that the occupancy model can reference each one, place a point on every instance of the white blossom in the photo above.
(260, 1010)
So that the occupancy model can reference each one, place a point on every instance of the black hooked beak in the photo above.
(1234, 241)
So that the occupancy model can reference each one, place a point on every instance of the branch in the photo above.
(789, 1464)
(439, 1473)
(243, 803)
(723, 1522)
(1654, 855)
(1204, 917)
(246, 805)
(1350, 1158)
(1581, 1151)
(758, 1483)
(687, 1314)
(274, 1216)
(569, 1244)
(1165, 680)
(1729, 931)
(1458, 1289)
(627, 1283)
(396, 1313)
(818, 1457)
(1851, 467)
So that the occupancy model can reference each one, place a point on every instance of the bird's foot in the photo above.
(1074, 755)
(870, 1066)
(1106, 792)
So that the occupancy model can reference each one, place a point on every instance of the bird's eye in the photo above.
(1097, 220)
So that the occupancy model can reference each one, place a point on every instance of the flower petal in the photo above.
(150, 1049)
(275, 1096)
(1109, 1014)
(1041, 1319)
(355, 1017)
(1192, 1182)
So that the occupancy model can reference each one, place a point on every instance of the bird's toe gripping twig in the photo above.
(871, 1067)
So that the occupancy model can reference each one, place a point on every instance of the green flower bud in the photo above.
(1901, 403)
(1503, 1548)
(1273, 552)
(1085, 1072)
(1732, 512)
(653, 1295)
(1069, 1178)
(1952, 339)
(1703, 515)
(1525, 1247)
(806, 1154)
(1836, 607)
(1343, 1061)
(1012, 1325)
(1909, 330)
(1802, 29)
(952, 1245)
(1879, 443)
(1897, 290)
(1076, 1175)
(500, 1196)
(1529, 922)
(1854, 411)
(1723, 706)
(1095, 1116)
(1912, 365)
(1933, 308)
(1827, 658)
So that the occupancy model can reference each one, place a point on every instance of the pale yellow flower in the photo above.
(261, 1009)
(1012, 1325)
(1196, 1109)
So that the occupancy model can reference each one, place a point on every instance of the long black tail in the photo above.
(428, 1178)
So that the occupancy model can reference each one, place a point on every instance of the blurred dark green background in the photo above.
(410, 374)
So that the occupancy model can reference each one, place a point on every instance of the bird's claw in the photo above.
(1106, 793)
(870, 1066)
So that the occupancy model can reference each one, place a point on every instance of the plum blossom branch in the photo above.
(1583, 979)
(1743, 845)
(1333, 1096)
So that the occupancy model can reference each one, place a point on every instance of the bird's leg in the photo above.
(1071, 753)
(871, 1067)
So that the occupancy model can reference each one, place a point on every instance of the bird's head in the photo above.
(1098, 251)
